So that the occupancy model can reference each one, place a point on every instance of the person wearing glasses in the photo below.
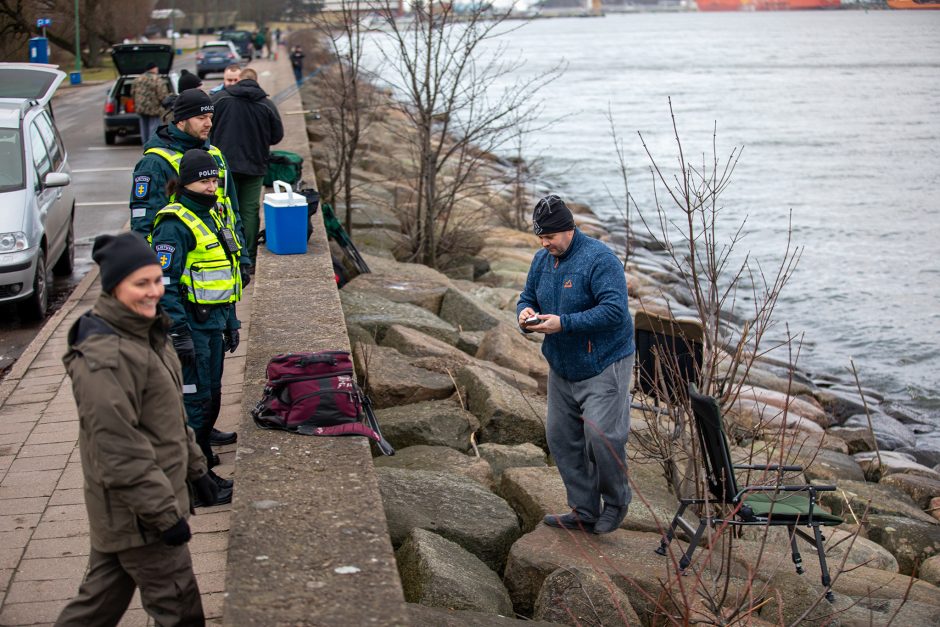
(576, 294)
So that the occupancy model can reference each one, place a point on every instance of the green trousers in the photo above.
(248, 188)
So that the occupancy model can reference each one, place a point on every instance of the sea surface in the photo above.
(837, 117)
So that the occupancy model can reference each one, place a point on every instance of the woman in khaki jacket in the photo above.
(137, 452)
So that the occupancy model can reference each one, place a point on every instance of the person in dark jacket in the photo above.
(577, 293)
(245, 126)
(137, 452)
(297, 64)
(199, 250)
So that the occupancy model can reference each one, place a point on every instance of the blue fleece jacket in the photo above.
(586, 288)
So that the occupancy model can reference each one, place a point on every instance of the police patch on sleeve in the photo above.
(164, 254)
(141, 189)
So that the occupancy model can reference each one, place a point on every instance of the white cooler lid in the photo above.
(284, 196)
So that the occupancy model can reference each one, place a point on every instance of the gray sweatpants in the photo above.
(587, 428)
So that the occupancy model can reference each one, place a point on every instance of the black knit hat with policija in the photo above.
(197, 164)
(551, 215)
(191, 103)
(188, 80)
(119, 256)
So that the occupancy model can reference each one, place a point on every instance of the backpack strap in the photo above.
(382, 443)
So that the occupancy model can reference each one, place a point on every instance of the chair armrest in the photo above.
(768, 467)
(785, 488)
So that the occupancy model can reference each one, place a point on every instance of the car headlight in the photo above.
(13, 242)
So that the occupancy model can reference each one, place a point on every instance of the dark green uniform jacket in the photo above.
(137, 451)
(172, 240)
(148, 183)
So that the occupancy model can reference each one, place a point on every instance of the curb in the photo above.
(25, 360)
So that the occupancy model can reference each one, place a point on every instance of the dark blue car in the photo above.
(215, 56)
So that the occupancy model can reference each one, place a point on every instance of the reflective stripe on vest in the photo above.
(174, 158)
(211, 276)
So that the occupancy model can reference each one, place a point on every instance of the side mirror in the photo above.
(56, 179)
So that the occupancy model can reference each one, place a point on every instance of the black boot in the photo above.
(222, 483)
(222, 438)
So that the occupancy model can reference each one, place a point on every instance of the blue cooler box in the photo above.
(285, 220)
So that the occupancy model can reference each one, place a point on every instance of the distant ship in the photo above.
(795, 5)
(914, 4)
(720, 5)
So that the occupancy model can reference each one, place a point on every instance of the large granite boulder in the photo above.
(890, 433)
(422, 293)
(468, 314)
(454, 507)
(583, 597)
(801, 406)
(858, 439)
(440, 573)
(503, 456)
(504, 298)
(840, 404)
(861, 551)
(435, 423)
(449, 366)
(415, 343)
(391, 380)
(853, 498)
(440, 617)
(440, 459)
(911, 541)
(759, 417)
(920, 488)
(376, 314)
(826, 466)
(504, 278)
(929, 570)
(507, 414)
(506, 346)
(789, 596)
(879, 465)
(899, 612)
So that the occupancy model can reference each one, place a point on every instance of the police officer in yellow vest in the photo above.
(199, 251)
(192, 120)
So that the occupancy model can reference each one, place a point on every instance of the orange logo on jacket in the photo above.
(567, 283)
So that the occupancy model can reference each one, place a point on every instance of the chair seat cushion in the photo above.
(786, 507)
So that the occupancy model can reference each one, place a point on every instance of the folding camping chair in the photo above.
(772, 505)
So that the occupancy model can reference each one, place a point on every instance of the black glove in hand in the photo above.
(246, 276)
(231, 337)
(207, 490)
(177, 534)
(182, 339)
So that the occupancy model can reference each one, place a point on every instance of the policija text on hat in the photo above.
(576, 294)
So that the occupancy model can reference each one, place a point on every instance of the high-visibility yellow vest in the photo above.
(174, 158)
(211, 276)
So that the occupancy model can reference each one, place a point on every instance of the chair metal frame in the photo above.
(723, 487)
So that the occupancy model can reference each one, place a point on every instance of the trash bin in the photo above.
(38, 50)
(75, 78)
(285, 220)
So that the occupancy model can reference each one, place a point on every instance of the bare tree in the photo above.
(451, 93)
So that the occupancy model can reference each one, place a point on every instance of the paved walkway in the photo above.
(44, 540)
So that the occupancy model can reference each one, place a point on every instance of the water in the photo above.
(837, 116)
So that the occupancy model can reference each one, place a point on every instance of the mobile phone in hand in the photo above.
(532, 320)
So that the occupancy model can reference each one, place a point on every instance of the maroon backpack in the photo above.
(316, 394)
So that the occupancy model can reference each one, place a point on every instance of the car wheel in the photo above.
(109, 138)
(36, 305)
(66, 261)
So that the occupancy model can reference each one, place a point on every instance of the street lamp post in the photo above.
(78, 44)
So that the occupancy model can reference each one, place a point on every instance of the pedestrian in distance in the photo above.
(199, 249)
(187, 80)
(246, 124)
(148, 91)
(137, 452)
(230, 77)
(297, 64)
(576, 294)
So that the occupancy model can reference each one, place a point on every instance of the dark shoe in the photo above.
(571, 520)
(221, 438)
(225, 497)
(610, 518)
(219, 481)
(215, 461)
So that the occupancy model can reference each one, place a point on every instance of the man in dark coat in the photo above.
(245, 126)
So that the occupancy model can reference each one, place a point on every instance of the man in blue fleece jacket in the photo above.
(577, 291)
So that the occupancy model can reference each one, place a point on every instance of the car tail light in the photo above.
(200, 56)
(231, 56)
(109, 107)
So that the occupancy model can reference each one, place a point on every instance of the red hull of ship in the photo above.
(795, 5)
(719, 5)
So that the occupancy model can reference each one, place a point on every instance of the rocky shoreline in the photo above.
(460, 393)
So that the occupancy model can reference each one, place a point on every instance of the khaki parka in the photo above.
(136, 449)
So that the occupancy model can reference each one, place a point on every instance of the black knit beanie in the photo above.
(188, 80)
(191, 103)
(120, 255)
(551, 215)
(197, 164)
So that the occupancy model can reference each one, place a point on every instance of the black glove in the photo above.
(231, 337)
(183, 343)
(207, 490)
(177, 534)
(246, 276)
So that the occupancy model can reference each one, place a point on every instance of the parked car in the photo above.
(131, 61)
(241, 39)
(37, 232)
(215, 56)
